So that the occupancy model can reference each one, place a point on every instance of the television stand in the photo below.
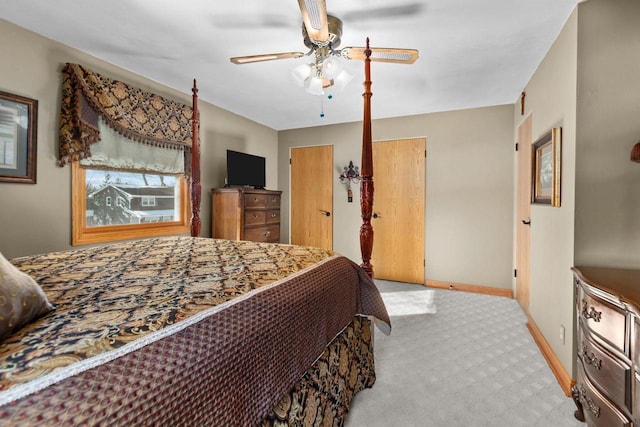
(243, 213)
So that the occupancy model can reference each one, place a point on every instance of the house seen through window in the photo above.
(139, 198)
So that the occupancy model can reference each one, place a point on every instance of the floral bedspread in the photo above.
(246, 314)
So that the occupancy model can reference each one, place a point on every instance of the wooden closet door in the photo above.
(312, 196)
(523, 226)
(398, 206)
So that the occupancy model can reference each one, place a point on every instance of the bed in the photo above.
(185, 330)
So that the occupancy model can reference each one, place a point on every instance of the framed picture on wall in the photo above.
(546, 168)
(18, 130)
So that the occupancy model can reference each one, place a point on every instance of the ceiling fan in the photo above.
(322, 35)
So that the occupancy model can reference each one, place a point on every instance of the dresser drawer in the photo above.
(608, 372)
(603, 318)
(598, 411)
(268, 233)
(273, 201)
(635, 344)
(255, 200)
(273, 216)
(254, 217)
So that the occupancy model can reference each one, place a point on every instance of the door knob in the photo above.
(325, 213)
(526, 222)
(375, 215)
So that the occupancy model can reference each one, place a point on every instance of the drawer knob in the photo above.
(590, 359)
(273, 215)
(266, 233)
(595, 410)
(590, 312)
(255, 200)
(255, 216)
(273, 199)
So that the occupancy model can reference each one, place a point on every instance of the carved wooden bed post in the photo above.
(366, 173)
(195, 167)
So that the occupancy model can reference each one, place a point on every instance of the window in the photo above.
(148, 201)
(93, 223)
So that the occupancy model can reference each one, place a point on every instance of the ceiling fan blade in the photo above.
(253, 21)
(265, 57)
(314, 16)
(383, 54)
(385, 12)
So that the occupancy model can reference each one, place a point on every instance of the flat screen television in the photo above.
(245, 170)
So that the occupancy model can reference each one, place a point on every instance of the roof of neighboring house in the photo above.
(146, 191)
(134, 190)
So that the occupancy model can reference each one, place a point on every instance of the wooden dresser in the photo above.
(607, 391)
(245, 214)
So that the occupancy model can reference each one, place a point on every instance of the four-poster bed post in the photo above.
(366, 173)
(195, 167)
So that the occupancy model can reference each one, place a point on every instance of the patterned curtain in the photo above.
(141, 116)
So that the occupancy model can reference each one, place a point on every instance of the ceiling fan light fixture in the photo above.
(343, 79)
(331, 67)
(314, 84)
(300, 73)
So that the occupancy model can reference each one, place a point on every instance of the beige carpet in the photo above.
(471, 363)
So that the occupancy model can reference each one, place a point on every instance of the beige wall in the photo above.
(551, 100)
(588, 84)
(607, 182)
(469, 188)
(37, 218)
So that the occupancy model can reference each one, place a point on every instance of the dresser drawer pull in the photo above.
(590, 359)
(595, 410)
(255, 216)
(256, 200)
(266, 233)
(273, 200)
(590, 312)
(273, 215)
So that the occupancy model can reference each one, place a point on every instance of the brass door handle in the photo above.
(325, 213)
(376, 215)
(526, 221)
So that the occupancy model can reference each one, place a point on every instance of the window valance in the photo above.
(136, 114)
(115, 152)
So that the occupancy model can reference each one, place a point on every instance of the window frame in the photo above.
(145, 201)
(82, 235)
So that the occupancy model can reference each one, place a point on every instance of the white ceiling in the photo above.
(473, 53)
